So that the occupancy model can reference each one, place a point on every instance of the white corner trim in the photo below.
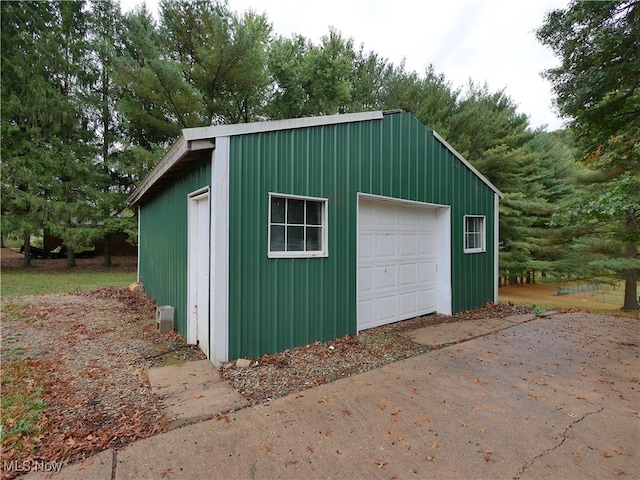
(496, 247)
(219, 258)
(138, 263)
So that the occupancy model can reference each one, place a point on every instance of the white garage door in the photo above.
(397, 251)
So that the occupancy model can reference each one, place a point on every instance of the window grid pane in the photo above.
(296, 225)
(474, 233)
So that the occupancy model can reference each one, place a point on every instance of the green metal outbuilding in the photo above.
(270, 235)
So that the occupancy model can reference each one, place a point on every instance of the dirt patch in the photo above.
(12, 260)
(90, 352)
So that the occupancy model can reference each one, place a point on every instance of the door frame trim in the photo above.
(192, 328)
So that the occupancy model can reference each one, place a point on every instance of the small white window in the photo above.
(474, 234)
(297, 226)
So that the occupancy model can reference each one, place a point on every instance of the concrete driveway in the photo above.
(555, 397)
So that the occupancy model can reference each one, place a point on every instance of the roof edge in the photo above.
(170, 158)
(274, 125)
(203, 138)
(466, 163)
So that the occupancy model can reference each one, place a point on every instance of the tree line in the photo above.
(92, 97)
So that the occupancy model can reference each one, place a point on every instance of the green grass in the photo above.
(22, 404)
(541, 295)
(21, 282)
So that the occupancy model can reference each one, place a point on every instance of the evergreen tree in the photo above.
(597, 88)
(112, 162)
(74, 187)
(310, 79)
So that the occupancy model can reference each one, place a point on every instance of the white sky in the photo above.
(485, 40)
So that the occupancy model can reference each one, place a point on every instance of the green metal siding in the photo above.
(275, 304)
(164, 239)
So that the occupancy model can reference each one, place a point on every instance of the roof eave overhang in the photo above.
(179, 151)
(200, 139)
(467, 164)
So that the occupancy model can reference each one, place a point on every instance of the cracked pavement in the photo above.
(554, 397)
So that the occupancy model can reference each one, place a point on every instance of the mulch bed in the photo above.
(275, 375)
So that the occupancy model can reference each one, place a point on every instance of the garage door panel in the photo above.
(408, 304)
(427, 221)
(408, 219)
(408, 245)
(396, 262)
(385, 309)
(426, 241)
(427, 300)
(365, 280)
(384, 217)
(408, 275)
(365, 311)
(365, 246)
(385, 245)
(427, 272)
(385, 277)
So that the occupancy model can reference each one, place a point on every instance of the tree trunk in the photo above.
(631, 281)
(26, 262)
(71, 258)
(107, 250)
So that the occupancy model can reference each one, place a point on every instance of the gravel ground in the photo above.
(88, 353)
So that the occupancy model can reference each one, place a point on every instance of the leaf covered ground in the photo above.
(81, 360)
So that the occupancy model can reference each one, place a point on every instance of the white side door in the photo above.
(198, 282)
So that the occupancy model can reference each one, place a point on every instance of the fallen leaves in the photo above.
(394, 414)
(486, 454)
(92, 351)
(421, 421)
(276, 375)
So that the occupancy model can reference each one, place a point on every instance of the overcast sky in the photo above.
(485, 40)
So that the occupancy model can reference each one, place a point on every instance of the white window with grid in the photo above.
(297, 226)
(474, 234)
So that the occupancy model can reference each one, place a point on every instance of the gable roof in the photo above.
(194, 142)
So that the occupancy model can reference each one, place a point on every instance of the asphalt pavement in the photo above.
(520, 398)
